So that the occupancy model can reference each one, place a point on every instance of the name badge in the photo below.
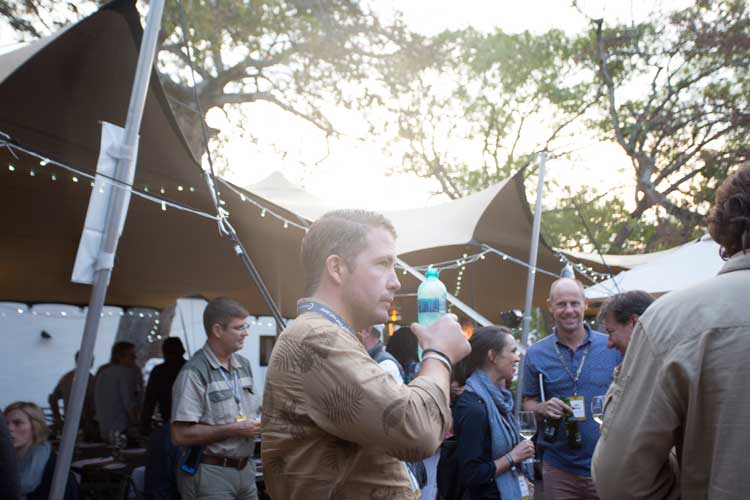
(525, 493)
(578, 403)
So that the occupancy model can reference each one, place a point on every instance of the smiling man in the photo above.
(336, 425)
(575, 363)
(213, 406)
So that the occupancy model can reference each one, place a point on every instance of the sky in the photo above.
(348, 172)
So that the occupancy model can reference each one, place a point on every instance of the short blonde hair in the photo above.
(36, 417)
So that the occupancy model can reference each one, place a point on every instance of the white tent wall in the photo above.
(30, 364)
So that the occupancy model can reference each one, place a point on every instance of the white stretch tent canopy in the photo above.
(673, 269)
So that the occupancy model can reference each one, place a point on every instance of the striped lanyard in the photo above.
(317, 307)
(575, 377)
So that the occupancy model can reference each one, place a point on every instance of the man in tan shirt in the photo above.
(335, 425)
(685, 381)
(214, 407)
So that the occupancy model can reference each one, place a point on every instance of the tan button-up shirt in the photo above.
(204, 392)
(335, 425)
(685, 383)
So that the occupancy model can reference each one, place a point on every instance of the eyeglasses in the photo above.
(242, 328)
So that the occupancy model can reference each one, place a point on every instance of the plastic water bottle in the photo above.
(432, 300)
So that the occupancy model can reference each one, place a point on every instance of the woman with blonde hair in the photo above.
(34, 454)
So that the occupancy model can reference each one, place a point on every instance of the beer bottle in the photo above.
(551, 428)
(575, 439)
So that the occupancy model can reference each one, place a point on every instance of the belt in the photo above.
(234, 463)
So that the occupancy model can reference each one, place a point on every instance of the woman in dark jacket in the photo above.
(490, 449)
(34, 454)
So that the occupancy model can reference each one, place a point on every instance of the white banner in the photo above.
(89, 258)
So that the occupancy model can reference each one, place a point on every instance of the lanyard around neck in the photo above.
(317, 307)
(234, 384)
(577, 375)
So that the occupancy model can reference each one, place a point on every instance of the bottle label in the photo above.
(431, 306)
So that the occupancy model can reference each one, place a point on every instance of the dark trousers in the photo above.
(160, 482)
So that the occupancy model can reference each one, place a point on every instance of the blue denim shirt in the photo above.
(594, 380)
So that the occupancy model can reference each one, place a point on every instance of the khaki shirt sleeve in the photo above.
(188, 394)
(632, 457)
(350, 396)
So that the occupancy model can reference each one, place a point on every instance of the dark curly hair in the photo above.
(729, 219)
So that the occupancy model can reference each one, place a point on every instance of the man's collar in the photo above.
(587, 340)
(214, 361)
(737, 262)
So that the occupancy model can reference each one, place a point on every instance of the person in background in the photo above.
(62, 392)
(8, 469)
(685, 381)
(117, 393)
(403, 345)
(214, 407)
(34, 454)
(490, 448)
(574, 362)
(161, 473)
(620, 315)
(372, 337)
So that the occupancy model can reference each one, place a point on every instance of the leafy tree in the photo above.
(677, 93)
(489, 104)
(671, 91)
(298, 55)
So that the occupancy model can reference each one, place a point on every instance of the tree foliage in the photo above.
(676, 102)
(299, 55)
(489, 104)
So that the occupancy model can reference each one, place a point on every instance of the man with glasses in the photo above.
(214, 409)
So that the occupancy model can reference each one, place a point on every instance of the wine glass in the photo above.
(527, 424)
(597, 408)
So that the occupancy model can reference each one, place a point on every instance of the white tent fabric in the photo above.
(621, 261)
(457, 220)
(672, 269)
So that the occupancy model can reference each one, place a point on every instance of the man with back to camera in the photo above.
(575, 363)
(335, 424)
(685, 382)
(118, 389)
(62, 392)
(213, 406)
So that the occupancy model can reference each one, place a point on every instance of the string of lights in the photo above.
(145, 193)
(585, 271)
(79, 173)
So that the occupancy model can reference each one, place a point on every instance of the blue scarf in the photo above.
(503, 427)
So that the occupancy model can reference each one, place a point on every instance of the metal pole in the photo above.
(115, 220)
(531, 275)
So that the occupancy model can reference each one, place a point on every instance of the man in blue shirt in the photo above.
(574, 362)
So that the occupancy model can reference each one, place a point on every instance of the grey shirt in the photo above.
(117, 397)
(204, 393)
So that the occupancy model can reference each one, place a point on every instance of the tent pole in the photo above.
(115, 219)
(531, 275)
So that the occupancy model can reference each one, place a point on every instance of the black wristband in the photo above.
(441, 354)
